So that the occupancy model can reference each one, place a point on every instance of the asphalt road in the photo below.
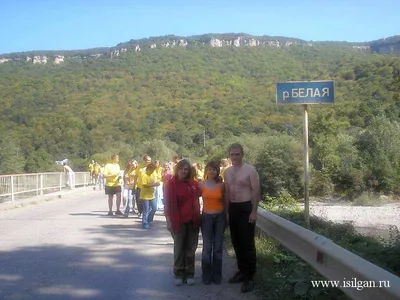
(66, 248)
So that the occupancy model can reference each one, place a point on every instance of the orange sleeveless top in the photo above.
(212, 199)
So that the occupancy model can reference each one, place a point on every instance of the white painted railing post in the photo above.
(37, 184)
(12, 187)
(18, 186)
(41, 184)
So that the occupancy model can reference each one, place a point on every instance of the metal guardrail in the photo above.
(27, 185)
(332, 261)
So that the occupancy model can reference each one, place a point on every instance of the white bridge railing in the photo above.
(28, 185)
(332, 261)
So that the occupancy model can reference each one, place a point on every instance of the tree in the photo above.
(280, 166)
(12, 160)
(379, 147)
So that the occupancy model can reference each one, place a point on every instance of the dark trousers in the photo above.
(242, 235)
(185, 245)
(212, 229)
(139, 204)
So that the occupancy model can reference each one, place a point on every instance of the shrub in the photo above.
(367, 199)
(280, 166)
(284, 202)
(320, 184)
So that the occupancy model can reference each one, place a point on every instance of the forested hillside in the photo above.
(167, 97)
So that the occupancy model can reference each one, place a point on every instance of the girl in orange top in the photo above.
(213, 223)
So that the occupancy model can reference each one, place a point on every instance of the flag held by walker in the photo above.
(62, 162)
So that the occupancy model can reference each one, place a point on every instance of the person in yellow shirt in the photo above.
(96, 173)
(91, 169)
(148, 181)
(130, 183)
(225, 164)
(199, 171)
(140, 169)
(112, 175)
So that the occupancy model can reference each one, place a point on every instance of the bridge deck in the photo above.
(62, 246)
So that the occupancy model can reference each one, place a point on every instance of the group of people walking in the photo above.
(138, 183)
(230, 197)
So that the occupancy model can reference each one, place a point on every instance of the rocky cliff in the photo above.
(387, 46)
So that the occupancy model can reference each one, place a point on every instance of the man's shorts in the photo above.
(112, 190)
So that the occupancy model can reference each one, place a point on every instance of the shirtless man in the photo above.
(242, 196)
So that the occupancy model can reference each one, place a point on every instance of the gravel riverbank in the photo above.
(367, 219)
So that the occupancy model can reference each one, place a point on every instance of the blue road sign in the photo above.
(305, 92)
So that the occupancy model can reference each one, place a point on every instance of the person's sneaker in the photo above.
(126, 215)
(247, 286)
(119, 213)
(178, 281)
(145, 227)
(206, 281)
(190, 281)
(238, 277)
(110, 213)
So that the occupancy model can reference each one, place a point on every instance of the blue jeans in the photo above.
(212, 229)
(149, 210)
(131, 204)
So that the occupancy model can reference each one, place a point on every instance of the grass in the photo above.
(367, 199)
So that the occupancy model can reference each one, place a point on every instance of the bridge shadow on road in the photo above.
(53, 272)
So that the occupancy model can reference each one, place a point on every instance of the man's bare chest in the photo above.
(239, 179)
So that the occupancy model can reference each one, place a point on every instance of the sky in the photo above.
(28, 25)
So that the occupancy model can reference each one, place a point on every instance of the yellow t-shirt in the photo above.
(147, 193)
(159, 170)
(96, 169)
(199, 175)
(142, 165)
(131, 177)
(140, 170)
(109, 169)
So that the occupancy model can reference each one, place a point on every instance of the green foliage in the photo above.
(321, 183)
(11, 158)
(284, 202)
(283, 276)
(40, 161)
(157, 149)
(367, 199)
(280, 166)
(379, 148)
